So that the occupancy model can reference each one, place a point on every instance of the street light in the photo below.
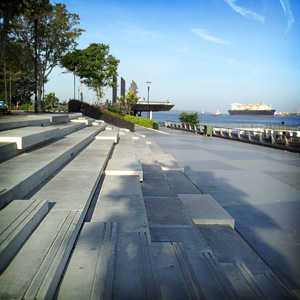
(148, 113)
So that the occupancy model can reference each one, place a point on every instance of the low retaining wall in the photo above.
(74, 106)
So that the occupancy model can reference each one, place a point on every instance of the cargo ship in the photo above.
(251, 110)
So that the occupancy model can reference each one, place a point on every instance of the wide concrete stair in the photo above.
(99, 212)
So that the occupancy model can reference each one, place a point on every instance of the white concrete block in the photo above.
(108, 135)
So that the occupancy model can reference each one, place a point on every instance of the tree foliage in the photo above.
(191, 118)
(57, 32)
(131, 99)
(51, 101)
(94, 65)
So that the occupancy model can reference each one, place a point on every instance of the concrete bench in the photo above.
(108, 135)
(17, 220)
(28, 137)
(21, 174)
(36, 270)
(205, 210)
(8, 150)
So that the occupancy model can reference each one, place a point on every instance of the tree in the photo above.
(189, 118)
(57, 34)
(51, 101)
(94, 65)
(131, 99)
(8, 10)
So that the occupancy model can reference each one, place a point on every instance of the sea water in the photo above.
(230, 121)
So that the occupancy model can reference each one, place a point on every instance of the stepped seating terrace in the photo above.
(81, 228)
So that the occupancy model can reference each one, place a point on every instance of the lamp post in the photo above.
(148, 112)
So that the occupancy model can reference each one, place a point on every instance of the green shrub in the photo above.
(189, 118)
(27, 106)
(140, 121)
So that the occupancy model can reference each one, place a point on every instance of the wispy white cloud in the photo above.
(204, 34)
(247, 13)
(288, 13)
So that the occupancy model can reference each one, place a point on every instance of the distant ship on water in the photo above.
(217, 114)
(251, 110)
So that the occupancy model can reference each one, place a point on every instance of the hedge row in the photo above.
(140, 121)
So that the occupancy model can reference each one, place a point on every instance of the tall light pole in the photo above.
(148, 112)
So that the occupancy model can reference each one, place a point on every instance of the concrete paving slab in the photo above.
(29, 136)
(243, 187)
(35, 271)
(152, 170)
(91, 268)
(205, 210)
(121, 186)
(157, 187)
(117, 167)
(180, 183)
(272, 230)
(134, 256)
(168, 163)
(166, 211)
(176, 276)
(17, 220)
(128, 211)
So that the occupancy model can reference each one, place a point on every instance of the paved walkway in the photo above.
(258, 186)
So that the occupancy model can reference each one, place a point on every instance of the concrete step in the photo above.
(36, 270)
(28, 137)
(73, 187)
(118, 167)
(17, 221)
(135, 275)
(108, 135)
(8, 150)
(121, 200)
(205, 210)
(22, 174)
(90, 273)
(176, 276)
(256, 286)
(85, 120)
(18, 122)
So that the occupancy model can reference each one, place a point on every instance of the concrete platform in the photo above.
(117, 167)
(205, 210)
(29, 137)
(17, 221)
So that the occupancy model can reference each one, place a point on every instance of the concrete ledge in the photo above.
(108, 135)
(91, 268)
(58, 118)
(37, 268)
(8, 150)
(17, 220)
(29, 136)
(116, 167)
(205, 210)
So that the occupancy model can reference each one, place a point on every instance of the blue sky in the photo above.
(198, 54)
